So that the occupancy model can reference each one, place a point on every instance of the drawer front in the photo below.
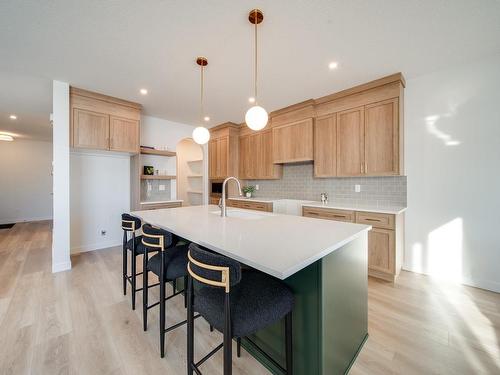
(160, 205)
(258, 206)
(214, 200)
(328, 214)
(376, 220)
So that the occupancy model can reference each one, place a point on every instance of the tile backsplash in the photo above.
(298, 183)
(155, 194)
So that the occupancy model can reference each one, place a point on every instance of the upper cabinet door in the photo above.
(293, 142)
(325, 146)
(245, 157)
(212, 159)
(350, 142)
(382, 138)
(222, 157)
(90, 129)
(268, 170)
(124, 135)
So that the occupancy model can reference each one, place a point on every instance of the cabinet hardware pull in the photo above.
(366, 167)
(368, 219)
(361, 167)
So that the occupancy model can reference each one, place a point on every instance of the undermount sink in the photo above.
(241, 214)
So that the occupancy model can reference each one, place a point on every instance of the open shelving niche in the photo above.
(190, 177)
(162, 160)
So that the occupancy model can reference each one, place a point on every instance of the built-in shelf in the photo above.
(149, 151)
(195, 161)
(157, 177)
(195, 175)
(194, 192)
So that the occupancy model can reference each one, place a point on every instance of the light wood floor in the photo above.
(79, 322)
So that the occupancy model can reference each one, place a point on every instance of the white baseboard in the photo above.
(490, 285)
(25, 219)
(95, 246)
(59, 267)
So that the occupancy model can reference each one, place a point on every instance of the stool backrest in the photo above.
(130, 223)
(156, 238)
(213, 269)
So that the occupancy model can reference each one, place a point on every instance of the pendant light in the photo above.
(256, 117)
(201, 135)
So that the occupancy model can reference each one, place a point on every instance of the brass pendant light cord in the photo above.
(201, 94)
(255, 78)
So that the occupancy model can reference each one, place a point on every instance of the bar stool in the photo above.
(130, 224)
(169, 264)
(237, 303)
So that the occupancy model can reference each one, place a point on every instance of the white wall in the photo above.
(60, 140)
(100, 193)
(452, 122)
(26, 183)
(159, 133)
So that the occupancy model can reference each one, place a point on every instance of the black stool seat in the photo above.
(175, 262)
(139, 247)
(257, 301)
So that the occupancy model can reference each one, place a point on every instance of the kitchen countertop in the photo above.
(341, 206)
(272, 243)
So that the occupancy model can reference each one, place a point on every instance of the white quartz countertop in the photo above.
(341, 206)
(279, 245)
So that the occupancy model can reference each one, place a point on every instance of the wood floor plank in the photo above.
(79, 322)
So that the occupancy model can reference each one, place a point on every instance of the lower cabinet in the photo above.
(214, 200)
(157, 206)
(385, 240)
(250, 205)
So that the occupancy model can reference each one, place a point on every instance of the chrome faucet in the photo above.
(223, 211)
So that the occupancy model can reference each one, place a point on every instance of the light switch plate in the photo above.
(161, 188)
(257, 187)
(357, 188)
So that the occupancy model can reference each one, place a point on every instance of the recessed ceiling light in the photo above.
(6, 137)
(13, 117)
(144, 91)
(333, 65)
(251, 99)
(206, 118)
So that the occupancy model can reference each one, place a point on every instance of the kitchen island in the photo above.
(323, 262)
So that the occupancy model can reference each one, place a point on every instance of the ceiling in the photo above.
(117, 47)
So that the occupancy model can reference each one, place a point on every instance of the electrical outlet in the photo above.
(257, 187)
(161, 187)
(103, 232)
(357, 188)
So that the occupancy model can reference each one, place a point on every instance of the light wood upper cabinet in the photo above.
(104, 123)
(222, 157)
(223, 151)
(293, 142)
(218, 157)
(124, 135)
(90, 129)
(325, 146)
(382, 138)
(256, 157)
(350, 142)
(212, 159)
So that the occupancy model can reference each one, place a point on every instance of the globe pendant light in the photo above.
(201, 135)
(256, 117)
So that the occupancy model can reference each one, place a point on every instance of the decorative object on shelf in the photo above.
(149, 170)
(201, 135)
(256, 117)
(248, 191)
